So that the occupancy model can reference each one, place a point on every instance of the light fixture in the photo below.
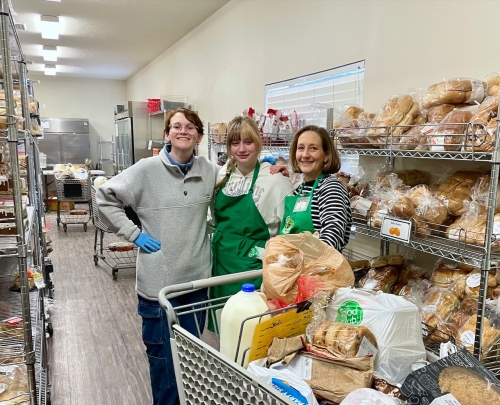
(49, 53)
(55, 0)
(50, 26)
(50, 70)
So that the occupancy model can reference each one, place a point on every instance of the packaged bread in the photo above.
(450, 134)
(352, 135)
(445, 275)
(414, 138)
(413, 272)
(429, 208)
(405, 124)
(466, 334)
(403, 208)
(493, 81)
(346, 114)
(410, 177)
(391, 114)
(456, 190)
(439, 305)
(438, 112)
(77, 212)
(14, 382)
(483, 138)
(455, 91)
(473, 280)
(381, 279)
(486, 111)
(386, 260)
(121, 246)
(218, 131)
(341, 338)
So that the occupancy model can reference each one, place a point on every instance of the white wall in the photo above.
(225, 62)
(82, 98)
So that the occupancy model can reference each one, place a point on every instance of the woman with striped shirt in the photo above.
(321, 203)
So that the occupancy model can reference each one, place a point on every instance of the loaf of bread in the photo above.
(341, 338)
(489, 336)
(410, 177)
(218, 131)
(445, 275)
(455, 91)
(437, 113)
(380, 279)
(415, 137)
(352, 135)
(391, 113)
(121, 246)
(468, 386)
(403, 208)
(493, 81)
(482, 137)
(386, 260)
(450, 134)
(77, 212)
(441, 302)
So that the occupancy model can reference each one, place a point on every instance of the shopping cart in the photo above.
(114, 259)
(76, 191)
(203, 375)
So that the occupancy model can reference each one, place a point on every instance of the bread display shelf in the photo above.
(430, 146)
(436, 244)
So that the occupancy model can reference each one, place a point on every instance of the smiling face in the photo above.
(243, 151)
(311, 157)
(182, 134)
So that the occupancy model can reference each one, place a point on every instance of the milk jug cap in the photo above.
(248, 288)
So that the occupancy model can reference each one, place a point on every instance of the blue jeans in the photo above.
(155, 336)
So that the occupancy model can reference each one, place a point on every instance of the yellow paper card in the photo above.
(289, 324)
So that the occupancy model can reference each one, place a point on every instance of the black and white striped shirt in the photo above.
(330, 210)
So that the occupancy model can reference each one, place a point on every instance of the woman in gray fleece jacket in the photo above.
(171, 194)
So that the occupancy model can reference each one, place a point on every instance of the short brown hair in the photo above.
(190, 115)
(332, 165)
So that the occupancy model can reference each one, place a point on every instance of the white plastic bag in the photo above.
(395, 323)
(267, 376)
(367, 396)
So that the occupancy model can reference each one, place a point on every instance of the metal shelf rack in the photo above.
(25, 247)
(354, 141)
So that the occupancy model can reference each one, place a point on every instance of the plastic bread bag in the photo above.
(352, 135)
(311, 257)
(472, 283)
(380, 279)
(394, 322)
(467, 333)
(345, 114)
(13, 380)
(445, 274)
(451, 132)
(493, 81)
(399, 110)
(439, 304)
(455, 91)
(342, 339)
(284, 381)
(457, 189)
(481, 137)
(414, 292)
(430, 209)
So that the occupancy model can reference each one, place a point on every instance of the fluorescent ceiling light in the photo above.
(55, 0)
(49, 53)
(50, 26)
(50, 70)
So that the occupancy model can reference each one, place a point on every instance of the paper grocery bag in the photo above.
(288, 257)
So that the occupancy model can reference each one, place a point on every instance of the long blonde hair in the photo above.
(238, 127)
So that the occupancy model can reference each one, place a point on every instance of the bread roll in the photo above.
(437, 113)
(450, 134)
(403, 208)
(391, 113)
(381, 279)
(319, 333)
(454, 91)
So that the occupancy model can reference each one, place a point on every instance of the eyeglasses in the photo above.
(189, 128)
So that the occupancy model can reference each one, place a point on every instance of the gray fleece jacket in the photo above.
(173, 209)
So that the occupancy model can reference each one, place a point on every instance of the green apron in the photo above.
(239, 230)
(297, 216)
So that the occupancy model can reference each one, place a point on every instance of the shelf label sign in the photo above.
(396, 228)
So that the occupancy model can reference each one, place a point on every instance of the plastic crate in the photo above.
(153, 104)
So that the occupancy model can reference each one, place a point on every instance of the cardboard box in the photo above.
(51, 204)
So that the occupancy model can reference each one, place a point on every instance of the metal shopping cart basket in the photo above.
(114, 259)
(76, 191)
(203, 375)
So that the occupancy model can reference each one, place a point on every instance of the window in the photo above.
(315, 97)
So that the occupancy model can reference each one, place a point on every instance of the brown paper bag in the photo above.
(330, 378)
(288, 257)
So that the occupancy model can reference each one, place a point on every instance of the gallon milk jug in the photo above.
(99, 181)
(240, 306)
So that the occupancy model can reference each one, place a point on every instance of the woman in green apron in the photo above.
(249, 205)
(321, 203)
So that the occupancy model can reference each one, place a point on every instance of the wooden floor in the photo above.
(96, 353)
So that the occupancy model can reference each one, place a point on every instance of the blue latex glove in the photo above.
(147, 243)
(269, 159)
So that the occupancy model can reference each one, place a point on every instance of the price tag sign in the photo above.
(396, 228)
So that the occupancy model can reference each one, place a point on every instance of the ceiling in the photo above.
(108, 39)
